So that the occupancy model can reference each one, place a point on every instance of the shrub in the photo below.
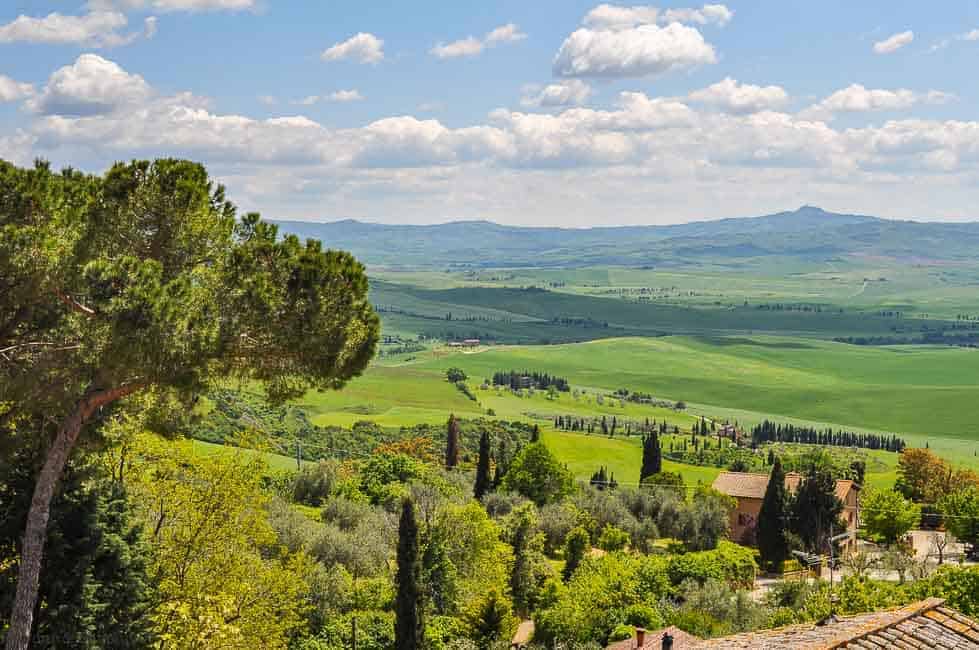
(612, 539)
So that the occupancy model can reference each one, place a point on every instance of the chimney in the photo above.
(640, 637)
(667, 641)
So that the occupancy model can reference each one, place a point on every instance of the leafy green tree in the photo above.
(706, 520)
(451, 442)
(529, 564)
(141, 281)
(962, 515)
(538, 475)
(816, 509)
(888, 516)
(408, 625)
(576, 546)
(773, 519)
(455, 375)
(95, 587)
(210, 539)
(492, 621)
(483, 482)
(612, 539)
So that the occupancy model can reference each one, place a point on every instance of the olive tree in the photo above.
(144, 281)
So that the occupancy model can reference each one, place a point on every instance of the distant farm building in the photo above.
(749, 490)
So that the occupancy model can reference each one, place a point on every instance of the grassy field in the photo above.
(925, 391)
(924, 394)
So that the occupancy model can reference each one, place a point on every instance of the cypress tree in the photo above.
(652, 457)
(771, 519)
(408, 628)
(452, 443)
(500, 470)
(483, 483)
(576, 546)
(535, 434)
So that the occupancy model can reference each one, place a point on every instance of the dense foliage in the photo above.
(777, 432)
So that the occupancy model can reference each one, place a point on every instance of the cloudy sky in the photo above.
(548, 112)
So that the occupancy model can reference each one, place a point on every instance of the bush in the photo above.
(729, 562)
(612, 539)
(316, 482)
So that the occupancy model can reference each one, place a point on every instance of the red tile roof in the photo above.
(654, 640)
(745, 485)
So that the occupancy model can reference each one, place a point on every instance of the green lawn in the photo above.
(584, 453)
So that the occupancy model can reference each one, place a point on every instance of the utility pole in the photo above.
(299, 455)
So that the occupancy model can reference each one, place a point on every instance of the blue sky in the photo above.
(560, 113)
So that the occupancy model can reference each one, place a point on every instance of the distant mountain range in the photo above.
(808, 234)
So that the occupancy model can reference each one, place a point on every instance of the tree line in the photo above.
(769, 431)
(526, 379)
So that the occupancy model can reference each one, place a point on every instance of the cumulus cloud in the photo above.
(172, 5)
(971, 36)
(472, 46)
(606, 16)
(95, 29)
(733, 97)
(361, 47)
(90, 86)
(708, 14)
(338, 96)
(894, 43)
(565, 93)
(586, 160)
(645, 50)
(856, 98)
(12, 91)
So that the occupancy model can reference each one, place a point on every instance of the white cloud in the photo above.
(17, 148)
(894, 43)
(858, 99)
(508, 33)
(731, 96)
(173, 5)
(343, 96)
(12, 91)
(646, 50)
(90, 86)
(606, 16)
(361, 47)
(971, 36)
(472, 46)
(641, 158)
(95, 29)
(708, 14)
(565, 93)
(338, 96)
(268, 100)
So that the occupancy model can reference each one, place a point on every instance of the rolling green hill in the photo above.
(808, 234)
(928, 391)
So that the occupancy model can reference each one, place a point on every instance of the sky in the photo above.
(560, 113)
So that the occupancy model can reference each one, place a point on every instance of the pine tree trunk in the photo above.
(32, 553)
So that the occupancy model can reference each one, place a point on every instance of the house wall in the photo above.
(744, 519)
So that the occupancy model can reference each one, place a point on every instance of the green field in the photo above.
(922, 393)
(926, 391)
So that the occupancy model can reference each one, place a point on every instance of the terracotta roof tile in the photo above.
(925, 624)
(746, 485)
